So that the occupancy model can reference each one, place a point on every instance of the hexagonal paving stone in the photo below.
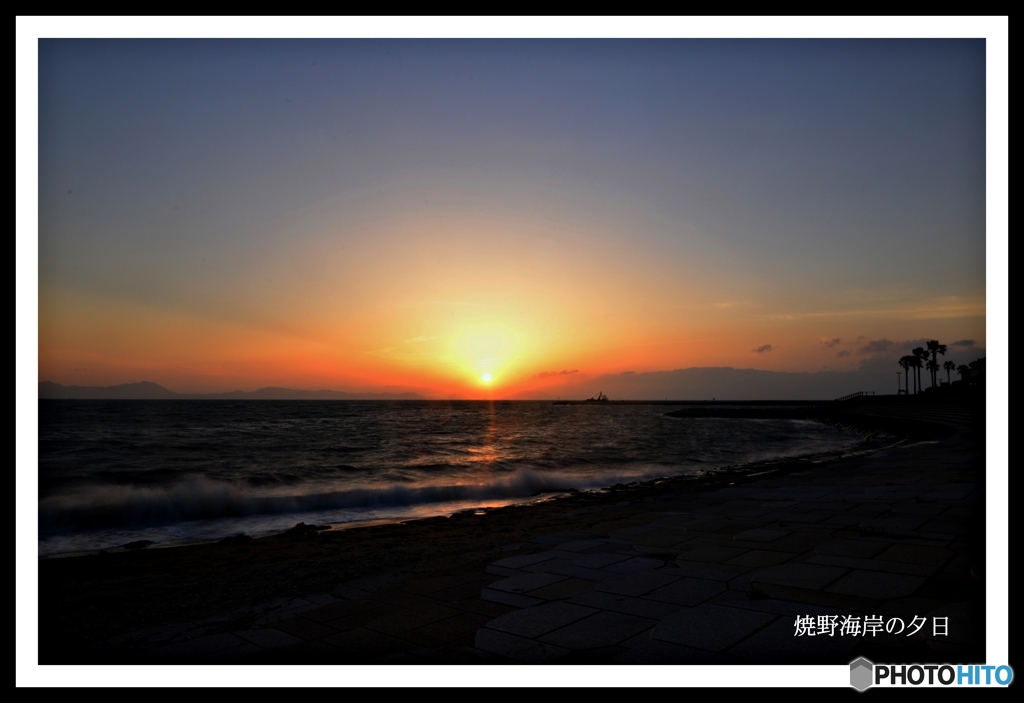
(600, 630)
(711, 627)
(539, 619)
(687, 591)
(518, 648)
(876, 584)
(861, 548)
(522, 583)
(636, 584)
(799, 575)
(760, 534)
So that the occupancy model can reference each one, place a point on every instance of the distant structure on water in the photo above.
(599, 398)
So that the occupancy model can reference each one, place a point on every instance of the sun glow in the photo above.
(486, 350)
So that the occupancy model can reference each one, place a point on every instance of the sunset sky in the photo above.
(369, 215)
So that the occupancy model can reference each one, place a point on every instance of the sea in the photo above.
(169, 472)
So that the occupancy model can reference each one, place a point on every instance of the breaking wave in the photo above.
(200, 498)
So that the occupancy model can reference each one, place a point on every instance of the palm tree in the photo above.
(933, 369)
(934, 348)
(965, 372)
(906, 362)
(949, 366)
(919, 357)
(915, 364)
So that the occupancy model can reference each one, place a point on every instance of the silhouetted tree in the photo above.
(920, 355)
(949, 366)
(933, 369)
(906, 362)
(965, 372)
(934, 348)
(915, 364)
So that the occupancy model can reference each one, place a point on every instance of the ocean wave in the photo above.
(200, 498)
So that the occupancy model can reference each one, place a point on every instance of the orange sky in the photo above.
(223, 216)
(438, 314)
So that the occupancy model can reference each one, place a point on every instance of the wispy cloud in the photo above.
(963, 343)
(943, 309)
(831, 342)
(763, 348)
(844, 352)
(876, 346)
(550, 374)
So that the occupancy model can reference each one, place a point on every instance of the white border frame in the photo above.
(29, 29)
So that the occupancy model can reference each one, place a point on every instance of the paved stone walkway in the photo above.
(380, 619)
(723, 578)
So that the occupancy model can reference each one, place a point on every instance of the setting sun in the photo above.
(486, 378)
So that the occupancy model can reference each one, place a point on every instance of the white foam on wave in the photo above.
(199, 498)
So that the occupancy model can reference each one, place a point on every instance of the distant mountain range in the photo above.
(147, 390)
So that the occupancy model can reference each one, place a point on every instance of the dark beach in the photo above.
(635, 574)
